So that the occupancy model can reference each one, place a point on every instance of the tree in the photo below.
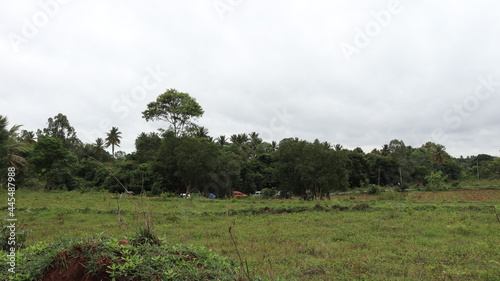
(358, 168)
(113, 138)
(222, 140)
(176, 108)
(304, 167)
(99, 145)
(254, 143)
(227, 174)
(196, 160)
(383, 170)
(274, 146)
(241, 142)
(439, 154)
(239, 139)
(147, 146)
(97, 150)
(52, 162)
(60, 128)
(27, 137)
(199, 132)
(10, 149)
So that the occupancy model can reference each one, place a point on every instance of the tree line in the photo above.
(184, 158)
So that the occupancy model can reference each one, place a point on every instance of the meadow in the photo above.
(448, 235)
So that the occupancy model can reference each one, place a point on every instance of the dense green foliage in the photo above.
(185, 159)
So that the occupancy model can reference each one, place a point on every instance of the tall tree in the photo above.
(196, 161)
(52, 162)
(27, 136)
(98, 147)
(60, 128)
(147, 146)
(222, 140)
(439, 154)
(304, 167)
(241, 142)
(113, 138)
(274, 146)
(253, 144)
(199, 132)
(10, 149)
(178, 109)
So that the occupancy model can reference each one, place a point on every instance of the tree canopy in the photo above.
(177, 108)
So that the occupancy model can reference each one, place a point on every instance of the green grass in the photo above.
(386, 237)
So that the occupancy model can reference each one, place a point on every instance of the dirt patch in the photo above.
(65, 268)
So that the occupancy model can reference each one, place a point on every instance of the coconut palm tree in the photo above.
(254, 143)
(27, 137)
(99, 146)
(239, 139)
(274, 145)
(113, 138)
(439, 154)
(9, 146)
(385, 150)
(222, 140)
(201, 132)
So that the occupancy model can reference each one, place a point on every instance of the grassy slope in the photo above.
(401, 239)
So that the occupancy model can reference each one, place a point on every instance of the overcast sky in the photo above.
(358, 73)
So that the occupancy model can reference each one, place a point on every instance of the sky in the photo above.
(355, 73)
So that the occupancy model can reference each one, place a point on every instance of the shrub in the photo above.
(360, 207)
(5, 234)
(374, 189)
(268, 193)
(436, 181)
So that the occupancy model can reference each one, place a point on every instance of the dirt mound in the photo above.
(101, 258)
(67, 267)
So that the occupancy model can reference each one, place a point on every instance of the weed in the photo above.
(6, 235)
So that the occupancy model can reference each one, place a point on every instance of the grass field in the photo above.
(452, 235)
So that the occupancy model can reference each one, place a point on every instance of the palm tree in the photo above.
(113, 138)
(27, 137)
(99, 146)
(222, 140)
(439, 154)
(254, 143)
(274, 145)
(9, 146)
(385, 150)
(239, 139)
(201, 132)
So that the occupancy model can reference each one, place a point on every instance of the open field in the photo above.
(452, 235)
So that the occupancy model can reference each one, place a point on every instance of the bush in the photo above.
(436, 181)
(360, 207)
(268, 193)
(374, 189)
(5, 234)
